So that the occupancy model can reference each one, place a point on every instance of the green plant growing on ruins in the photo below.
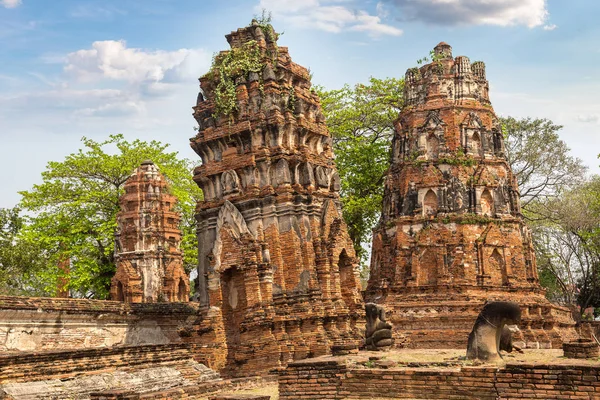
(435, 59)
(239, 62)
(226, 67)
(264, 22)
(460, 159)
(73, 211)
(291, 104)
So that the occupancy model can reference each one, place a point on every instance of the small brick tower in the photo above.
(149, 261)
(275, 257)
(451, 234)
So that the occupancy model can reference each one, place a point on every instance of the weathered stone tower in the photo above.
(276, 264)
(451, 234)
(149, 261)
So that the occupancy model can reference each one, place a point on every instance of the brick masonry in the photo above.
(334, 379)
(277, 270)
(582, 348)
(451, 234)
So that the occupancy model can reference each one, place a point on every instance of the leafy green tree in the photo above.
(18, 258)
(74, 209)
(567, 243)
(361, 121)
(541, 161)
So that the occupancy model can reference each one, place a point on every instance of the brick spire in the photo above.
(451, 221)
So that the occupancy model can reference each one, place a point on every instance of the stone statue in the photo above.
(484, 339)
(410, 200)
(506, 343)
(378, 335)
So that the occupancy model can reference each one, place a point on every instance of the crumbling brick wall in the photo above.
(334, 379)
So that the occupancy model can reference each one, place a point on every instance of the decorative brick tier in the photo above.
(451, 233)
(334, 379)
(582, 348)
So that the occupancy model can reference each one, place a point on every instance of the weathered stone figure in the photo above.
(506, 343)
(484, 339)
(378, 335)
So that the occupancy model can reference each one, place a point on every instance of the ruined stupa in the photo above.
(451, 234)
(277, 269)
(148, 255)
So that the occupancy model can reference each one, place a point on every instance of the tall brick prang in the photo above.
(149, 260)
(451, 234)
(275, 257)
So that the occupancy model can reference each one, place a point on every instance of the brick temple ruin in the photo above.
(276, 264)
(451, 234)
(149, 260)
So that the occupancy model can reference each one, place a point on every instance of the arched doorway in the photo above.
(234, 304)
(487, 203)
(475, 144)
(430, 203)
(182, 293)
(432, 147)
(120, 292)
(497, 269)
(347, 280)
(427, 268)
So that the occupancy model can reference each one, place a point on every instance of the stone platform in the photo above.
(442, 317)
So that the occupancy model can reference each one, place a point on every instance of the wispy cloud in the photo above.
(589, 118)
(10, 3)
(95, 11)
(330, 15)
(531, 13)
(550, 27)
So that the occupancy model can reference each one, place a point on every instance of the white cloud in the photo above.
(10, 3)
(530, 13)
(330, 16)
(111, 59)
(550, 27)
(589, 118)
(117, 109)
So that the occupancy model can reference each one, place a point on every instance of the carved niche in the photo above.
(410, 200)
(473, 137)
(230, 182)
(281, 173)
(456, 199)
(431, 138)
(321, 177)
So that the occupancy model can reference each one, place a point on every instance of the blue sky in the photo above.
(73, 68)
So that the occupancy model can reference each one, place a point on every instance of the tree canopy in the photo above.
(540, 159)
(73, 211)
(360, 119)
